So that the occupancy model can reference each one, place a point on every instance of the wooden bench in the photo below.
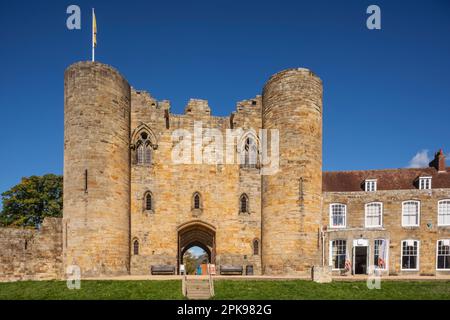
(227, 269)
(163, 269)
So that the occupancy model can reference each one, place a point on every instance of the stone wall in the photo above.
(100, 196)
(172, 186)
(291, 198)
(428, 232)
(30, 254)
(105, 186)
(96, 169)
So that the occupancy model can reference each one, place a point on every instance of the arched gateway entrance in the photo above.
(196, 233)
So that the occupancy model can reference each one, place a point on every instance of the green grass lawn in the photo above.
(300, 289)
(227, 289)
(98, 290)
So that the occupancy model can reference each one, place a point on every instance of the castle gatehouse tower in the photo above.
(291, 198)
(96, 169)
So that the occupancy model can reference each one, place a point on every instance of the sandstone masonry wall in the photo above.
(96, 169)
(428, 232)
(291, 198)
(29, 254)
(173, 185)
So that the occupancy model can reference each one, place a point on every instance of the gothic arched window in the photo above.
(256, 247)
(197, 201)
(140, 154)
(144, 149)
(136, 247)
(249, 152)
(243, 203)
(148, 201)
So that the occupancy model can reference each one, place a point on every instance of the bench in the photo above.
(227, 269)
(162, 269)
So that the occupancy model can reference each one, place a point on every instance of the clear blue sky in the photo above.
(386, 93)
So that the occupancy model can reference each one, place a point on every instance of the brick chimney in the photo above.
(438, 161)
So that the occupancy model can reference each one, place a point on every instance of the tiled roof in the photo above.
(389, 179)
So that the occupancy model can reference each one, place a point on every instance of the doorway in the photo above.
(197, 234)
(195, 260)
(360, 259)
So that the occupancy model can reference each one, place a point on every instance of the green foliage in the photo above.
(190, 262)
(33, 199)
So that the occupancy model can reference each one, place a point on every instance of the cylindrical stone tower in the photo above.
(96, 169)
(291, 199)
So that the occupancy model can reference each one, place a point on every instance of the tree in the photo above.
(203, 258)
(190, 262)
(33, 199)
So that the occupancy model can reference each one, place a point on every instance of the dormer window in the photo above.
(424, 183)
(370, 185)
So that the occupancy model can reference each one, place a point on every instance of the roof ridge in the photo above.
(388, 169)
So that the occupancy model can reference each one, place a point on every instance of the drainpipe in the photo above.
(322, 233)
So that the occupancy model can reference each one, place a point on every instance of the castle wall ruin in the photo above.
(30, 254)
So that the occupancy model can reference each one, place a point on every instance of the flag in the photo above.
(382, 253)
(348, 265)
(94, 30)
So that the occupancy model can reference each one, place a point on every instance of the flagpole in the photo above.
(93, 43)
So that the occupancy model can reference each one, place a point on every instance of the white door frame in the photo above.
(360, 243)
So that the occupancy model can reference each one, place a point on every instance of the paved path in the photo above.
(219, 277)
(393, 278)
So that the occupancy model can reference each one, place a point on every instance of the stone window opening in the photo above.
(148, 201)
(143, 146)
(338, 254)
(374, 215)
(444, 212)
(410, 255)
(144, 153)
(135, 247)
(338, 215)
(85, 181)
(256, 247)
(410, 213)
(197, 203)
(249, 152)
(243, 204)
(443, 255)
